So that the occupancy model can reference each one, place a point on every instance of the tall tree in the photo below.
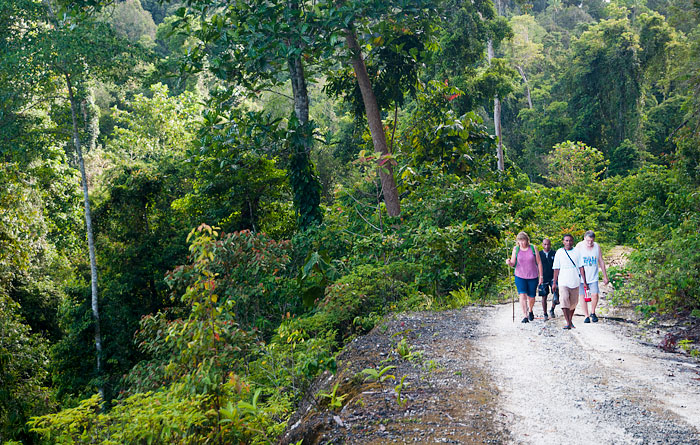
(258, 45)
(606, 78)
(376, 127)
(66, 50)
(396, 36)
(497, 116)
(524, 48)
(470, 32)
(497, 100)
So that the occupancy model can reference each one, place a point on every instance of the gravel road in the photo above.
(475, 376)
(483, 379)
(593, 384)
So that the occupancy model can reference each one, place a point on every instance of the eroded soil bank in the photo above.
(446, 396)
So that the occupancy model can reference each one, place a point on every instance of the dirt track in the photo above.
(478, 377)
(597, 383)
(593, 384)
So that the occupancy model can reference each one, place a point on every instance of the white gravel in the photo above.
(593, 384)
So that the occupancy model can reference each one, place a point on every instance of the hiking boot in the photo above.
(594, 318)
(531, 316)
(551, 313)
(587, 320)
(525, 320)
(545, 317)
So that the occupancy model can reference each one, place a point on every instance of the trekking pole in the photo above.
(512, 297)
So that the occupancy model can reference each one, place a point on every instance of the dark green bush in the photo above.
(665, 274)
(350, 302)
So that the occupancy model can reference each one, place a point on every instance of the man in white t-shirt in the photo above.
(592, 259)
(568, 274)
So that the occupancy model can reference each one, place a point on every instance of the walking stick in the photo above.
(512, 298)
(513, 295)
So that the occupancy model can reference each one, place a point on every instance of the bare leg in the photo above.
(523, 303)
(567, 315)
(532, 303)
(544, 304)
(584, 305)
(594, 301)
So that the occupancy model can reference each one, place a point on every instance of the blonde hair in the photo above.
(523, 236)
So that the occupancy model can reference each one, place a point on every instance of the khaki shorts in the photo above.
(568, 297)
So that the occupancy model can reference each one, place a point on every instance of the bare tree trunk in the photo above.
(88, 215)
(496, 116)
(527, 85)
(88, 224)
(499, 7)
(300, 92)
(376, 128)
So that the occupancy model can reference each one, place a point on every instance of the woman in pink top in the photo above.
(528, 273)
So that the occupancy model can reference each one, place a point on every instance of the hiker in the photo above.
(592, 259)
(547, 260)
(528, 273)
(568, 270)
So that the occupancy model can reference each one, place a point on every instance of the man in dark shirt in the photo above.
(547, 258)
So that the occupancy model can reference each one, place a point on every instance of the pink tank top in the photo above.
(527, 264)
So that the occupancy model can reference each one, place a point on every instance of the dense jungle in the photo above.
(202, 202)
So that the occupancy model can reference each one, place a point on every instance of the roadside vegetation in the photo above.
(253, 208)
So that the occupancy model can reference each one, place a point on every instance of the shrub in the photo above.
(451, 233)
(574, 164)
(247, 271)
(665, 274)
(287, 365)
(354, 297)
(639, 203)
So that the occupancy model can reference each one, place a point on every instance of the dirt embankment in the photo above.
(445, 397)
(475, 376)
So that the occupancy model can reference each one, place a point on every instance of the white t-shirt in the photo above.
(568, 273)
(590, 260)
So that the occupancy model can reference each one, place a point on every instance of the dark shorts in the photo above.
(547, 286)
(526, 286)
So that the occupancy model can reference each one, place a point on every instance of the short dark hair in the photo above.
(568, 234)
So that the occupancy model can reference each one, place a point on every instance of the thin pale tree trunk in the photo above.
(88, 224)
(527, 85)
(376, 128)
(496, 116)
(88, 215)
